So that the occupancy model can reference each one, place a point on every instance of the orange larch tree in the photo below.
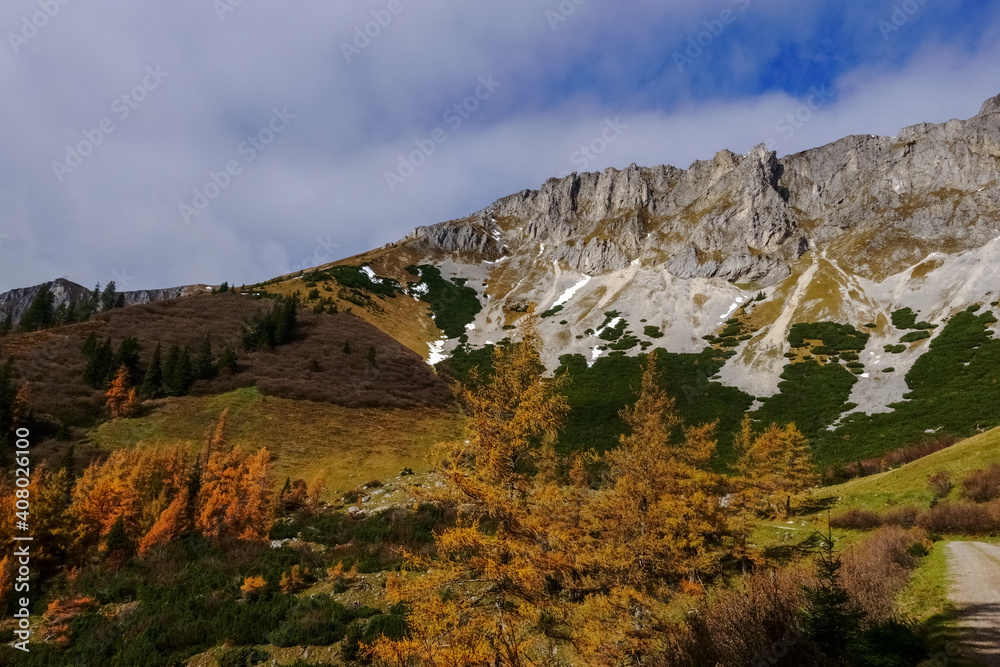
(121, 396)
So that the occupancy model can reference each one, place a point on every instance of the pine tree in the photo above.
(227, 361)
(40, 314)
(178, 373)
(170, 369)
(6, 325)
(152, 383)
(128, 356)
(204, 367)
(60, 315)
(184, 373)
(117, 542)
(100, 365)
(832, 624)
(108, 296)
(223, 288)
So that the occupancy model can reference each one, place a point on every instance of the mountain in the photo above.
(16, 301)
(859, 275)
(846, 232)
(748, 261)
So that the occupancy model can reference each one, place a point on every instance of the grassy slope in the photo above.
(404, 318)
(908, 484)
(349, 446)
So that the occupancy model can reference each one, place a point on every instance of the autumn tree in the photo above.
(775, 466)
(136, 486)
(535, 564)
(482, 600)
(235, 491)
(662, 511)
(121, 395)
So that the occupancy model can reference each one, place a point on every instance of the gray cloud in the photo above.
(118, 211)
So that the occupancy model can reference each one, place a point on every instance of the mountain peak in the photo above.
(991, 107)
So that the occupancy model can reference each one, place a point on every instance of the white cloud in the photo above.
(324, 176)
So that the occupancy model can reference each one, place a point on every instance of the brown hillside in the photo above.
(313, 367)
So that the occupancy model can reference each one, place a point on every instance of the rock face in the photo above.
(888, 201)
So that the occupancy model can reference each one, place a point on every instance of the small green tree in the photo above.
(227, 361)
(109, 296)
(128, 356)
(204, 366)
(41, 311)
(152, 383)
(830, 621)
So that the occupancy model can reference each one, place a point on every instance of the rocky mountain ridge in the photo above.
(748, 218)
(16, 301)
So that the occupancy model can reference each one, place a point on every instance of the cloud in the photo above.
(318, 188)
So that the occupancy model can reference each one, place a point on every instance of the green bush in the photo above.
(961, 361)
(551, 311)
(652, 332)
(914, 336)
(838, 337)
(454, 305)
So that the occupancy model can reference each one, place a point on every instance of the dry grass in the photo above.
(348, 446)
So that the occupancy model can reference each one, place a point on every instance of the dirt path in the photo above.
(975, 590)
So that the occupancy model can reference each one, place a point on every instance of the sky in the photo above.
(201, 141)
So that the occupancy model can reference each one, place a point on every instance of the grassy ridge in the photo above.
(349, 446)
(908, 484)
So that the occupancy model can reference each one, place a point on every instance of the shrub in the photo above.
(856, 519)
(758, 624)
(877, 569)
(914, 336)
(940, 483)
(982, 485)
(961, 518)
(652, 332)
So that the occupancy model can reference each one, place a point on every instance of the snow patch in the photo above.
(470, 326)
(594, 356)
(568, 294)
(729, 313)
(610, 325)
(437, 354)
(371, 275)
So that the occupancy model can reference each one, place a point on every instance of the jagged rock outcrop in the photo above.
(888, 200)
